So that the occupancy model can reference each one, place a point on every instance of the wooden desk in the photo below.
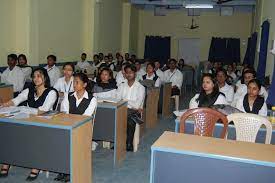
(165, 99)
(189, 129)
(188, 158)
(62, 144)
(6, 93)
(151, 109)
(111, 125)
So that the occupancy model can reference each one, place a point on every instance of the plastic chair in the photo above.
(205, 121)
(247, 126)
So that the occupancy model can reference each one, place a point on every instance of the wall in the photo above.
(175, 24)
(134, 23)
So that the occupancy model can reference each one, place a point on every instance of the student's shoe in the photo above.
(60, 177)
(4, 172)
(32, 176)
(129, 147)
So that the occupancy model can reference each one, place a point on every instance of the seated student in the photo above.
(22, 63)
(175, 76)
(127, 56)
(158, 71)
(101, 57)
(96, 60)
(224, 88)
(182, 66)
(134, 93)
(151, 74)
(119, 63)
(53, 71)
(83, 64)
(111, 62)
(65, 84)
(120, 77)
(241, 79)
(40, 96)
(252, 101)
(248, 75)
(209, 94)
(231, 73)
(140, 71)
(13, 75)
(105, 86)
(81, 102)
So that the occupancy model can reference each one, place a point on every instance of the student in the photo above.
(105, 86)
(81, 102)
(158, 71)
(134, 93)
(13, 75)
(83, 64)
(140, 72)
(231, 73)
(111, 62)
(120, 77)
(151, 74)
(248, 75)
(175, 76)
(53, 71)
(22, 63)
(101, 57)
(127, 56)
(209, 94)
(65, 84)
(119, 63)
(252, 101)
(214, 69)
(41, 96)
(224, 88)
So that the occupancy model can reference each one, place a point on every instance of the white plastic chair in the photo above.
(247, 126)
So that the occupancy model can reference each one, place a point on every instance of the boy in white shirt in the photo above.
(53, 71)
(83, 64)
(140, 71)
(134, 93)
(158, 71)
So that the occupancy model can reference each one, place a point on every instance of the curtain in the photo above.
(263, 51)
(271, 94)
(251, 50)
(157, 47)
(225, 50)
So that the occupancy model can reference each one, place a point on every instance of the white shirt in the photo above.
(194, 104)
(233, 75)
(175, 77)
(135, 94)
(160, 74)
(27, 72)
(157, 82)
(83, 65)
(54, 74)
(228, 91)
(65, 106)
(14, 77)
(47, 105)
(120, 78)
(239, 105)
(139, 74)
(108, 94)
(62, 86)
(242, 90)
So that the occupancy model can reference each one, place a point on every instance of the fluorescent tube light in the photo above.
(199, 6)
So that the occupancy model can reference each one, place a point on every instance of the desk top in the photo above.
(61, 120)
(5, 85)
(111, 105)
(253, 153)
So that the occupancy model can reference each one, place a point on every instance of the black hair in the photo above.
(43, 71)
(100, 53)
(84, 78)
(223, 71)
(130, 66)
(98, 79)
(137, 62)
(251, 71)
(96, 55)
(52, 57)
(257, 82)
(22, 56)
(12, 56)
(106, 56)
(151, 64)
(69, 64)
(84, 54)
(172, 60)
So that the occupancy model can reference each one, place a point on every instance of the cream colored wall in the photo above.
(211, 24)
(134, 24)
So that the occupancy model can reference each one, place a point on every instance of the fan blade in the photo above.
(223, 1)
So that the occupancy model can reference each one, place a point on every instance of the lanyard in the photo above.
(69, 87)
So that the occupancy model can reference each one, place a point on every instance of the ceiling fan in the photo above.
(222, 1)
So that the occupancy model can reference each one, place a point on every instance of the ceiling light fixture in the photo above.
(199, 6)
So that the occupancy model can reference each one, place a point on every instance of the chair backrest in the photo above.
(205, 120)
(247, 126)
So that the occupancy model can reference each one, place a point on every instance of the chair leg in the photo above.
(177, 100)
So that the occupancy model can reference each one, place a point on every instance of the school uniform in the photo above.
(120, 78)
(219, 99)
(83, 64)
(259, 107)
(105, 90)
(27, 70)
(154, 78)
(176, 78)
(139, 74)
(54, 74)
(46, 102)
(242, 90)
(86, 105)
(62, 86)
(14, 77)
(135, 96)
(232, 75)
(228, 91)
(160, 74)
(112, 65)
